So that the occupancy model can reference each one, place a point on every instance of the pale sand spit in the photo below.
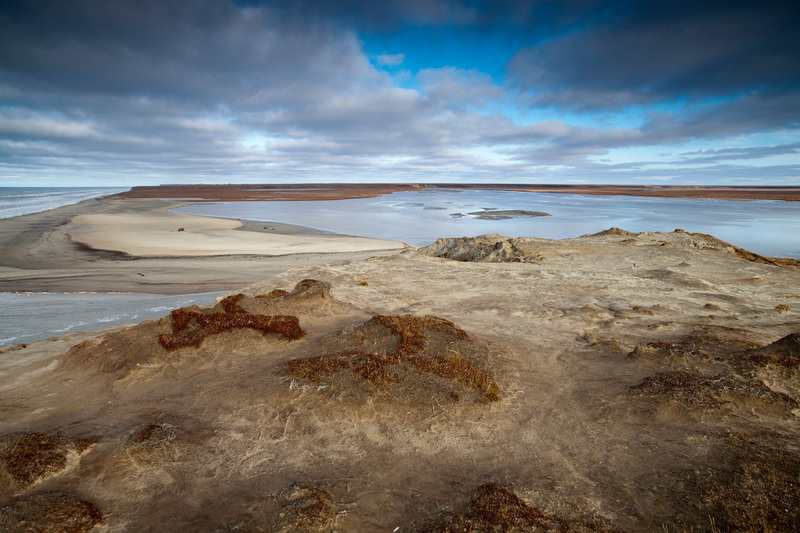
(158, 232)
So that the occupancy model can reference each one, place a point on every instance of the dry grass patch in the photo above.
(494, 508)
(392, 348)
(153, 442)
(276, 293)
(665, 350)
(696, 390)
(753, 485)
(686, 387)
(784, 352)
(54, 512)
(30, 457)
(191, 327)
(304, 507)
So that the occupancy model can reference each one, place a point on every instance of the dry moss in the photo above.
(686, 387)
(54, 512)
(408, 352)
(304, 507)
(660, 349)
(709, 393)
(755, 488)
(190, 327)
(276, 293)
(412, 330)
(784, 352)
(29, 457)
(494, 508)
(153, 437)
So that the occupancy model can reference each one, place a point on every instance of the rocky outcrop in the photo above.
(491, 248)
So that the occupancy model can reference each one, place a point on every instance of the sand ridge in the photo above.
(163, 233)
(584, 434)
(110, 244)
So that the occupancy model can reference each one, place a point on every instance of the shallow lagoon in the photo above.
(767, 227)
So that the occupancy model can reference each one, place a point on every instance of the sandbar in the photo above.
(116, 244)
(159, 232)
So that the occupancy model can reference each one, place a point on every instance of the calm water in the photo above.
(767, 227)
(29, 317)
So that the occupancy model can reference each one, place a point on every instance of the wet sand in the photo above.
(131, 242)
(114, 244)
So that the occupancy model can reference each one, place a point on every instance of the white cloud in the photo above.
(390, 60)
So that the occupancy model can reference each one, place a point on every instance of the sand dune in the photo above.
(639, 382)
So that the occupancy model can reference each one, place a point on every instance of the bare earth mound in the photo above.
(614, 382)
(50, 513)
(27, 458)
(403, 356)
(496, 508)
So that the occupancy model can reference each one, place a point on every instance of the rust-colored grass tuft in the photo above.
(495, 508)
(276, 293)
(411, 329)
(304, 508)
(54, 512)
(190, 328)
(453, 367)
(409, 354)
(710, 392)
(687, 387)
(29, 457)
(153, 437)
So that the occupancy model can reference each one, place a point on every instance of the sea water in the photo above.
(766, 227)
(16, 201)
(33, 316)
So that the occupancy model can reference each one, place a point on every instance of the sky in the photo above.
(143, 92)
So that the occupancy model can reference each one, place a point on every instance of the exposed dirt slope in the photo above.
(618, 383)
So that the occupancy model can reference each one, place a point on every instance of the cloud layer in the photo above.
(96, 92)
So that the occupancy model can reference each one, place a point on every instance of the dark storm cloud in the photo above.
(647, 52)
(202, 50)
(209, 90)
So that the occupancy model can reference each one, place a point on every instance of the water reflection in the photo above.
(767, 227)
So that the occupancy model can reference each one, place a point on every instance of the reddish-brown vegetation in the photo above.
(54, 512)
(413, 333)
(190, 328)
(496, 508)
(29, 457)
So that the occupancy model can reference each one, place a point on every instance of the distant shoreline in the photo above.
(343, 191)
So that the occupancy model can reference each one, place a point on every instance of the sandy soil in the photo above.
(135, 245)
(634, 393)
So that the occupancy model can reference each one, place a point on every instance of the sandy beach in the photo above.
(116, 244)
(612, 382)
